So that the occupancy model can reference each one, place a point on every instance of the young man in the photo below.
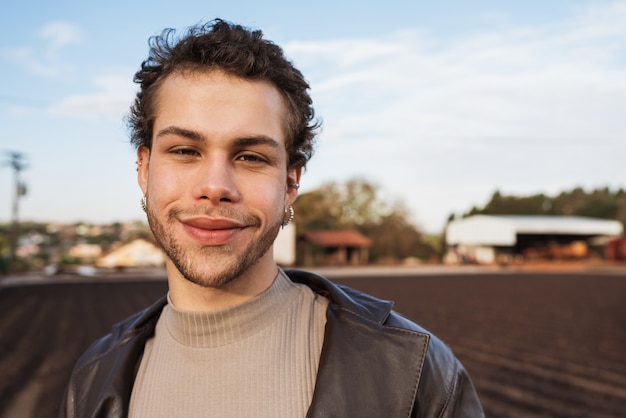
(224, 125)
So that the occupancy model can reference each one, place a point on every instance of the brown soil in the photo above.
(535, 344)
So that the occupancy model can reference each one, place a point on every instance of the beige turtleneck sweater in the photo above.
(257, 359)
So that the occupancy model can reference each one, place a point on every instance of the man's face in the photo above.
(216, 178)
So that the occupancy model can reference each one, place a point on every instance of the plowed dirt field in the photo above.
(536, 344)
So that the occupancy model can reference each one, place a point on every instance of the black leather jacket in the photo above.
(374, 363)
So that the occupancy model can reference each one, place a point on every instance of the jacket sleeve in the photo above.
(101, 381)
(463, 401)
(445, 389)
(66, 409)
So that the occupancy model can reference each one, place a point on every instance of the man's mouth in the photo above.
(212, 231)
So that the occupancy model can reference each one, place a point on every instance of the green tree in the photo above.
(597, 203)
(361, 205)
(395, 238)
(342, 205)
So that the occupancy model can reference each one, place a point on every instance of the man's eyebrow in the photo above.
(246, 141)
(178, 131)
(258, 140)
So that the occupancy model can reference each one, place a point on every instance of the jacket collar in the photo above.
(361, 304)
(366, 368)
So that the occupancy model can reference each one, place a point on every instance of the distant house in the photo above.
(85, 252)
(336, 248)
(137, 253)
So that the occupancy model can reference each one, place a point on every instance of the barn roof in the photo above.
(502, 230)
(349, 238)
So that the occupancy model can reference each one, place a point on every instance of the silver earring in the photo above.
(144, 204)
(294, 185)
(290, 213)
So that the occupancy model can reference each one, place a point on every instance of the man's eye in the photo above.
(252, 158)
(184, 151)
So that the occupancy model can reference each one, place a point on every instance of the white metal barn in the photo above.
(482, 238)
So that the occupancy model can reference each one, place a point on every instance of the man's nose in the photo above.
(215, 181)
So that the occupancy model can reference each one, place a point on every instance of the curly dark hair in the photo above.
(238, 51)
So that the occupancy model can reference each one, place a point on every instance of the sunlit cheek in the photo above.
(279, 205)
(165, 187)
(266, 197)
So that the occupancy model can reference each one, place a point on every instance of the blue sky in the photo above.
(439, 104)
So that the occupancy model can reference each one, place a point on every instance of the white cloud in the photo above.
(518, 108)
(47, 60)
(59, 35)
(112, 100)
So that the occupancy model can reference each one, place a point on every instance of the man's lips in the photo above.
(208, 223)
(212, 231)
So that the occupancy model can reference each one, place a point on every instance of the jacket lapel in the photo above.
(366, 369)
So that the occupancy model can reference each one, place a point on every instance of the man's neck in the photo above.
(186, 295)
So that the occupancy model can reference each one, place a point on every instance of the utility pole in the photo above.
(18, 163)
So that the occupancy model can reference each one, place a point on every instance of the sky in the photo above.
(438, 103)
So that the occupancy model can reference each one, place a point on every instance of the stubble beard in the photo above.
(210, 266)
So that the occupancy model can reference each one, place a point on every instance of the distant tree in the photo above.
(597, 203)
(342, 205)
(599, 207)
(4, 257)
(395, 238)
(361, 205)
(505, 205)
(317, 210)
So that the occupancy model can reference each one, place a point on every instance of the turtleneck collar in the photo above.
(226, 326)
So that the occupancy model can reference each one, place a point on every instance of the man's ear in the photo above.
(293, 183)
(143, 161)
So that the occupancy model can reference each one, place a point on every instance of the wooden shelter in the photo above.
(334, 248)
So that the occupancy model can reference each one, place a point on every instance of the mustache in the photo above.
(222, 212)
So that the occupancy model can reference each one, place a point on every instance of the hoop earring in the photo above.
(144, 204)
(289, 212)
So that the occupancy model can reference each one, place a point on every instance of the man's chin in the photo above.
(215, 272)
(229, 269)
